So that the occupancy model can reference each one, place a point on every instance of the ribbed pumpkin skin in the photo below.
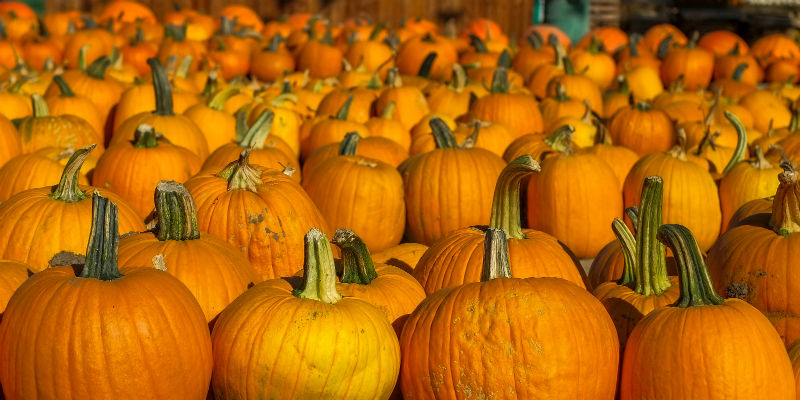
(268, 226)
(378, 148)
(142, 336)
(794, 357)
(644, 132)
(213, 270)
(218, 127)
(104, 93)
(518, 112)
(404, 256)
(142, 98)
(575, 198)
(607, 266)
(690, 194)
(79, 106)
(180, 131)
(448, 189)
(451, 338)
(34, 170)
(12, 275)
(362, 195)
(10, 142)
(336, 348)
(330, 131)
(457, 259)
(275, 154)
(752, 207)
(133, 173)
(745, 348)
(757, 265)
(37, 227)
(67, 131)
(620, 159)
(744, 183)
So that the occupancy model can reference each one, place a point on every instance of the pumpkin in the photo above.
(10, 141)
(436, 200)
(371, 54)
(759, 253)
(386, 126)
(213, 270)
(595, 63)
(518, 112)
(776, 46)
(261, 211)
(176, 44)
(575, 194)
(320, 57)
(44, 130)
(610, 37)
(643, 82)
(531, 55)
(782, 71)
(360, 107)
(745, 181)
(470, 314)
(332, 130)
(717, 158)
(577, 86)
(728, 66)
(558, 106)
(743, 359)
(645, 285)
(413, 52)
(636, 54)
(404, 256)
(38, 169)
(142, 98)
(356, 180)
(179, 129)
(15, 103)
(722, 42)
(285, 122)
(70, 103)
(12, 275)
(752, 207)
(694, 64)
(377, 148)
(541, 76)
(766, 108)
(457, 258)
(621, 159)
(334, 336)
(485, 135)
(643, 129)
(144, 307)
(452, 99)
(655, 35)
(87, 46)
(272, 61)
(217, 126)
(409, 102)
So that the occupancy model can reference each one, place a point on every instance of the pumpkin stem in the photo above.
(632, 213)
(182, 71)
(459, 79)
(388, 112)
(794, 123)
(319, 270)
(663, 47)
(560, 140)
(274, 43)
(495, 255)
(695, 281)
(643, 106)
(217, 101)
(176, 212)
(257, 133)
(735, 51)
(427, 65)
(785, 218)
(760, 162)
(162, 89)
(568, 68)
(633, 44)
(500, 81)
(393, 79)
(358, 265)
(739, 71)
(97, 69)
(535, 40)
(651, 264)
(478, 44)
(349, 144)
(66, 91)
(82, 57)
(741, 142)
(344, 110)
(39, 106)
(504, 61)
(376, 31)
(145, 137)
(561, 93)
(68, 189)
(442, 134)
(241, 175)
(628, 245)
(211, 85)
(101, 253)
(505, 204)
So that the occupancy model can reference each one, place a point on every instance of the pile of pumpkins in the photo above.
(303, 209)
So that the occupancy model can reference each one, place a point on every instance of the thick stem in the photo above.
(358, 265)
(652, 277)
(275, 43)
(349, 144)
(66, 91)
(427, 65)
(504, 61)
(212, 84)
(68, 189)
(794, 123)
(737, 73)
(442, 134)
(162, 89)
(477, 44)
(319, 270)
(633, 44)
(695, 281)
(240, 175)
(97, 69)
(388, 112)
(393, 79)
(459, 79)
(663, 47)
(500, 81)
(561, 139)
(82, 57)
(535, 40)
(741, 143)
(495, 255)
(217, 101)
(258, 132)
(785, 218)
(628, 245)
(568, 68)
(506, 205)
(344, 110)
(632, 213)
(145, 137)
(39, 106)
(176, 211)
(561, 93)
(183, 67)
(101, 253)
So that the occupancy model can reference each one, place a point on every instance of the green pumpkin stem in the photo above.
(101, 253)
(274, 43)
(182, 70)
(344, 110)
(569, 69)
(393, 79)
(319, 270)
(632, 213)
(477, 44)
(63, 86)
(695, 281)
(633, 44)
(561, 139)
(376, 31)
(500, 81)
(760, 161)
(176, 211)
(495, 255)
(145, 137)
(358, 265)
(794, 123)
(39, 106)
(349, 144)
(459, 79)
(257, 133)
(741, 143)
(535, 40)
(739, 71)
(163, 90)
(561, 93)
(218, 99)
(427, 65)
(175, 32)
(241, 175)
(211, 85)
(68, 189)
(82, 57)
(506, 204)
(388, 112)
(504, 60)
(663, 47)
(652, 278)
(442, 135)
(785, 218)
(627, 243)
(97, 69)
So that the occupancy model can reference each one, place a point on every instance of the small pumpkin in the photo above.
(578, 86)
(409, 102)
(39, 169)
(320, 57)
(722, 42)
(378, 148)
(595, 63)
(748, 180)
(45, 130)
(643, 129)
(404, 256)
(332, 130)
(412, 54)
(694, 64)
(518, 112)
(78, 105)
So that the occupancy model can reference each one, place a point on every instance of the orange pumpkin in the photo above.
(745, 181)
(378, 148)
(595, 63)
(320, 57)
(10, 141)
(38, 169)
(518, 112)
(404, 256)
(272, 61)
(694, 64)
(643, 129)
(776, 46)
(44, 130)
(722, 42)
(79, 105)
(413, 52)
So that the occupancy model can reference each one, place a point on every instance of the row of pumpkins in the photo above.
(382, 143)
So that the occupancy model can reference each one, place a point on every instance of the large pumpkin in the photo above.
(334, 336)
(139, 332)
(454, 334)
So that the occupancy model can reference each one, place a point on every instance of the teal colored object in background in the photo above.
(571, 16)
(37, 5)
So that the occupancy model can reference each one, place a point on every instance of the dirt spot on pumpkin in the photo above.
(737, 290)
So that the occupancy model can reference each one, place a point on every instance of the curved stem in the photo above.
(535, 40)
(568, 68)
(101, 253)
(176, 212)
(388, 112)
(66, 91)
(505, 204)
(217, 101)
(97, 69)
(427, 65)
(358, 265)
(319, 270)
(495, 255)
(561, 93)
(632, 213)
(737, 73)
(695, 281)
(499, 81)
(211, 84)
(68, 189)
(785, 218)
(504, 61)
(477, 44)
(82, 57)
(741, 143)
(652, 277)
(258, 132)
(561, 139)
(628, 245)
(162, 89)
(349, 144)
(663, 47)
(344, 110)
(145, 137)
(442, 134)
(39, 106)
(794, 123)
(240, 175)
